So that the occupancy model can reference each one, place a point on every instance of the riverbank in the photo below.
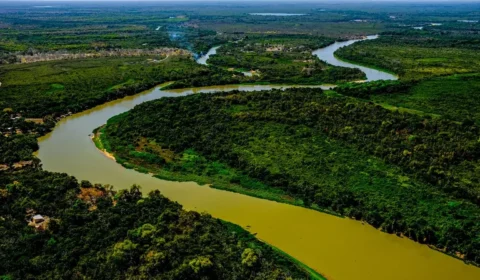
(96, 137)
(254, 83)
(327, 54)
(247, 236)
(324, 242)
(100, 141)
(216, 181)
(290, 151)
(367, 65)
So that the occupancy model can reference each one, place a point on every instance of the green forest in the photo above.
(124, 235)
(58, 87)
(402, 156)
(438, 69)
(400, 172)
(283, 59)
(453, 97)
(415, 55)
(18, 138)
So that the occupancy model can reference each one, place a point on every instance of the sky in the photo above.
(249, 1)
(286, 1)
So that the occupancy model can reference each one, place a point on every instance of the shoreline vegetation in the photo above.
(313, 274)
(417, 55)
(282, 58)
(149, 157)
(102, 144)
(96, 138)
(403, 157)
(267, 194)
(99, 139)
(359, 63)
(120, 236)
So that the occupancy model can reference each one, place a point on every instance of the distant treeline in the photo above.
(59, 87)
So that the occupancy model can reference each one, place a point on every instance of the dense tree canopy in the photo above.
(93, 232)
(403, 156)
(59, 87)
(283, 59)
(398, 171)
(420, 54)
(454, 97)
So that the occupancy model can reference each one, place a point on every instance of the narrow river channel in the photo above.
(203, 59)
(327, 54)
(338, 248)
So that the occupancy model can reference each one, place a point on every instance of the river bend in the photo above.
(338, 248)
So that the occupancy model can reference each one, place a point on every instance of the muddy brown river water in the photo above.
(338, 248)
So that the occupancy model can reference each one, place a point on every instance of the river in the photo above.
(327, 54)
(203, 59)
(338, 248)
